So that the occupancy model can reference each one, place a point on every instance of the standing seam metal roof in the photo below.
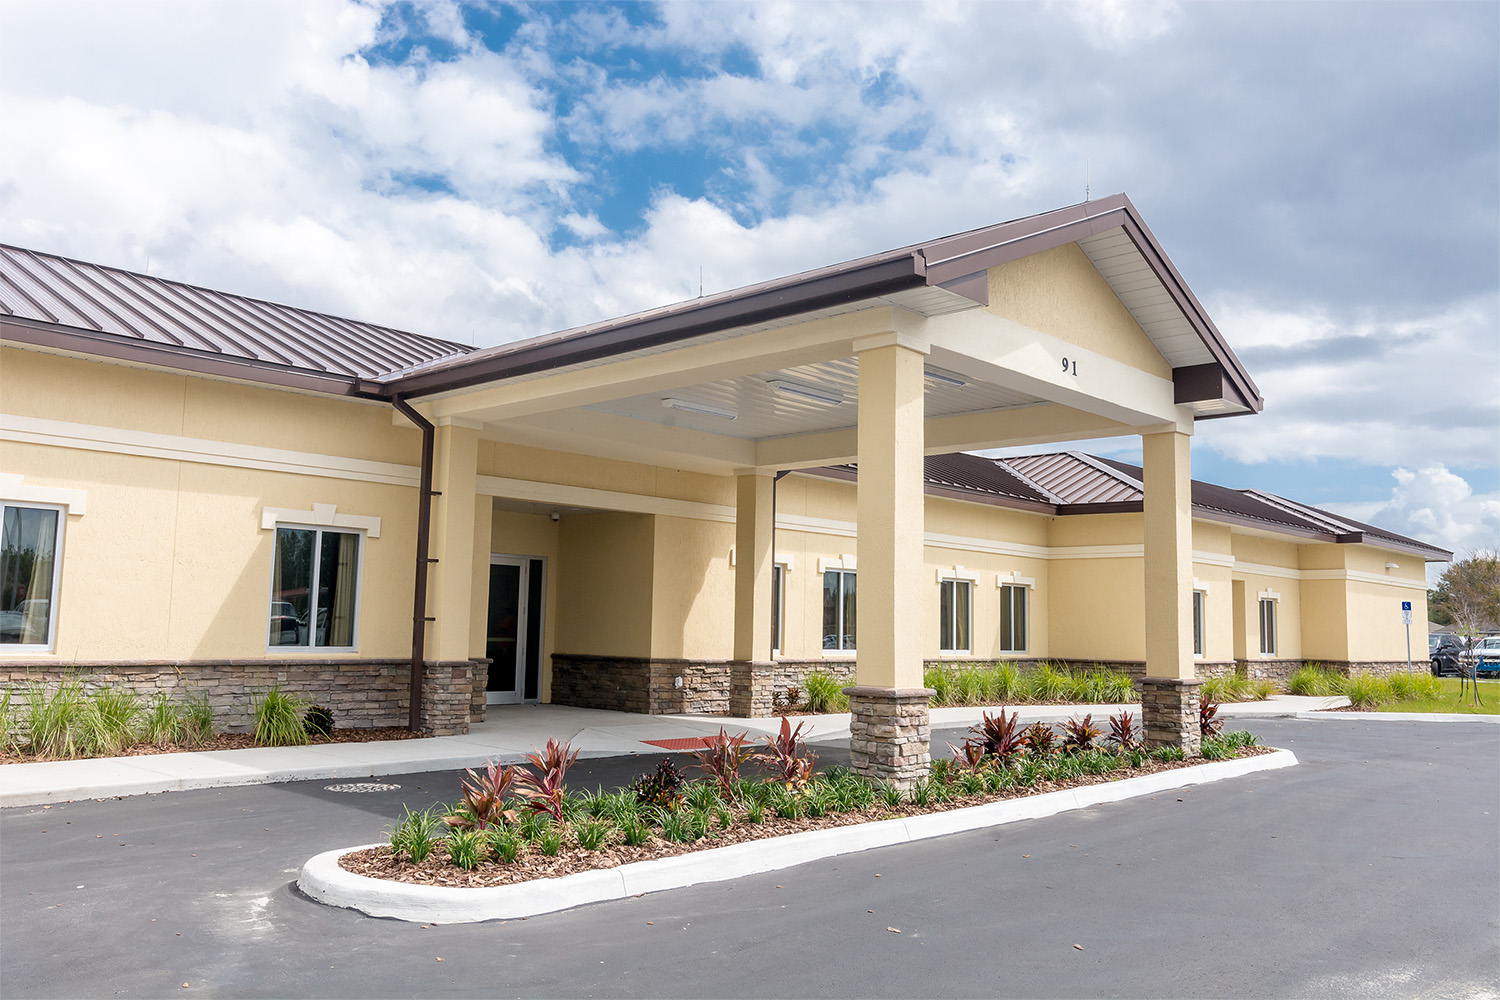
(48, 289)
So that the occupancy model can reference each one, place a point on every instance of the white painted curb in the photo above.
(323, 879)
(1402, 716)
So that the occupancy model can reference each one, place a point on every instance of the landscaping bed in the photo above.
(438, 868)
(519, 823)
(219, 741)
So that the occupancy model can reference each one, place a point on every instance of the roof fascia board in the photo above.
(779, 301)
(75, 341)
(956, 257)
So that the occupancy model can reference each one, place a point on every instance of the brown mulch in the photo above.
(379, 862)
(232, 741)
(1344, 708)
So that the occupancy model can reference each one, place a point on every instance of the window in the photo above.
(315, 588)
(956, 605)
(1198, 596)
(838, 609)
(30, 540)
(1268, 626)
(778, 602)
(1012, 618)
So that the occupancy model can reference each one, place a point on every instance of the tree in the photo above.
(1467, 595)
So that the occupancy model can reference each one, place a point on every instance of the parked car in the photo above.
(1435, 639)
(1446, 654)
(1487, 657)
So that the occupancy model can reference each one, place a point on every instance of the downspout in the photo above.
(419, 618)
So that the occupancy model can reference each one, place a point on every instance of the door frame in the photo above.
(524, 611)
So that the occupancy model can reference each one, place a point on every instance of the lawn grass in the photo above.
(1448, 700)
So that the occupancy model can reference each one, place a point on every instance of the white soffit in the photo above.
(923, 301)
(1120, 263)
(761, 412)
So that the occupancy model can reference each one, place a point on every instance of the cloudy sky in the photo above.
(1325, 176)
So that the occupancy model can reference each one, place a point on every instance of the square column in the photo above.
(1169, 691)
(889, 732)
(450, 593)
(754, 520)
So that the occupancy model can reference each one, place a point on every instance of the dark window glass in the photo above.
(28, 566)
(839, 617)
(314, 588)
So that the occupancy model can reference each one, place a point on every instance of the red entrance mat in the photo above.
(687, 743)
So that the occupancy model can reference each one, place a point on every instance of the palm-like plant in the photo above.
(542, 784)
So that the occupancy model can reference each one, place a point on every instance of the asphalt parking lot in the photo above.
(1371, 869)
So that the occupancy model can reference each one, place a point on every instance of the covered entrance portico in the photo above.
(1058, 327)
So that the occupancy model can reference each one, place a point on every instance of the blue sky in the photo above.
(1325, 176)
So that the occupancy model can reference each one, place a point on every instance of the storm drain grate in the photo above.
(362, 786)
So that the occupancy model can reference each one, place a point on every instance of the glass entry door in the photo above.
(514, 629)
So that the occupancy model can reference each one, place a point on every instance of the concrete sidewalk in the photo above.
(510, 732)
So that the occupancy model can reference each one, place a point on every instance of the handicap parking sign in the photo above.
(1406, 612)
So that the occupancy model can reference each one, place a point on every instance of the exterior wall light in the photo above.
(1391, 565)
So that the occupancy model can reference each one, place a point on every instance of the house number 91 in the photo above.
(1069, 367)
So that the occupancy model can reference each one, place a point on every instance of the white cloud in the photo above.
(1437, 506)
(1376, 389)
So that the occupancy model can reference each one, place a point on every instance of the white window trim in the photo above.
(1275, 599)
(322, 515)
(359, 586)
(778, 597)
(1017, 580)
(957, 573)
(13, 487)
(843, 564)
(6, 500)
(1203, 619)
(958, 577)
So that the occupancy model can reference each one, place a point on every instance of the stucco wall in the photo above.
(604, 584)
(1060, 293)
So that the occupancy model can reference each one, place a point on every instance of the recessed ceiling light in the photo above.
(689, 406)
(812, 393)
(944, 378)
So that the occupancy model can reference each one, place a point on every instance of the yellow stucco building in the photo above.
(683, 510)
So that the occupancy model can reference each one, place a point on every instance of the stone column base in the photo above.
(751, 688)
(1169, 712)
(890, 735)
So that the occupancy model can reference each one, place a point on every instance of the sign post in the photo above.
(1406, 619)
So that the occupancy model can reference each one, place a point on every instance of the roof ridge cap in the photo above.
(1301, 510)
(1051, 497)
(1109, 470)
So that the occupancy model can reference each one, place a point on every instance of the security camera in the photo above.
(556, 517)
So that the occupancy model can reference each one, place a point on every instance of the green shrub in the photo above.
(197, 720)
(824, 693)
(466, 848)
(318, 721)
(592, 834)
(1367, 692)
(8, 738)
(162, 722)
(549, 841)
(1262, 689)
(111, 721)
(940, 680)
(634, 830)
(505, 844)
(416, 834)
(1227, 687)
(1315, 681)
(1049, 685)
(1004, 684)
(278, 718)
(56, 725)
(969, 685)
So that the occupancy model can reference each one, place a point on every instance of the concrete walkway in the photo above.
(509, 732)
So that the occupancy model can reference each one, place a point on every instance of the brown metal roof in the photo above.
(955, 263)
(40, 291)
(1071, 483)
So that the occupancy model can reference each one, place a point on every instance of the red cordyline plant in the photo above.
(1123, 732)
(542, 784)
(486, 799)
(998, 736)
(722, 758)
(1209, 723)
(1040, 740)
(1079, 734)
(787, 757)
